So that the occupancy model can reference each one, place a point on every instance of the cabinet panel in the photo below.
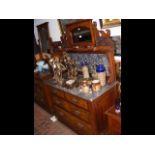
(114, 126)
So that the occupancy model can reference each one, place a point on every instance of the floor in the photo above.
(44, 126)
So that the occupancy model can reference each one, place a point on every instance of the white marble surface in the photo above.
(91, 96)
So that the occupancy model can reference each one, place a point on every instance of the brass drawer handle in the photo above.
(77, 112)
(57, 102)
(80, 125)
(74, 100)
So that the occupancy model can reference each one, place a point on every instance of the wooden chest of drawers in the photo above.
(41, 96)
(83, 116)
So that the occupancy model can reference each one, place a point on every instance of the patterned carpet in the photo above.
(44, 126)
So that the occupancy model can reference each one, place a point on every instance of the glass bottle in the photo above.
(101, 74)
(85, 70)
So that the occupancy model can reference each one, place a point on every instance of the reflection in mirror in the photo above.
(81, 34)
(44, 39)
(36, 46)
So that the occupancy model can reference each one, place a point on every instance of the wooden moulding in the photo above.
(95, 50)
(82, 23)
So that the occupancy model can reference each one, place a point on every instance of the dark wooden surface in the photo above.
(114, 121)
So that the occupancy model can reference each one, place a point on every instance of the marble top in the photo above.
(91, 96)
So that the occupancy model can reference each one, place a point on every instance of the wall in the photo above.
(53, 28)
(115, 31)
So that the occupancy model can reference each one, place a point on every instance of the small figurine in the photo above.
(58, 69)
(70, 65)
(72, 69)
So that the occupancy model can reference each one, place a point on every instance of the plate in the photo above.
(70, 82)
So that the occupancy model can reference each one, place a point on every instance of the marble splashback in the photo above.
(91, 59)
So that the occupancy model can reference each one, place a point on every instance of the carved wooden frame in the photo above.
(83, 23)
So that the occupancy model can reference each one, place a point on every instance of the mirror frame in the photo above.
(84, 23)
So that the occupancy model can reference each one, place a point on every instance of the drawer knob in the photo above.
(77, 112)
(74, 100)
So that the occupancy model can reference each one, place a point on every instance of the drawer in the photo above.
(80, 113)
(57, 92)
(76, 124)
(77, 101)
(61, 103)
(81, 127)
(63, 116)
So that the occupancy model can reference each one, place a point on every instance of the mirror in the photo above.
(63, 22)
(81, 34)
